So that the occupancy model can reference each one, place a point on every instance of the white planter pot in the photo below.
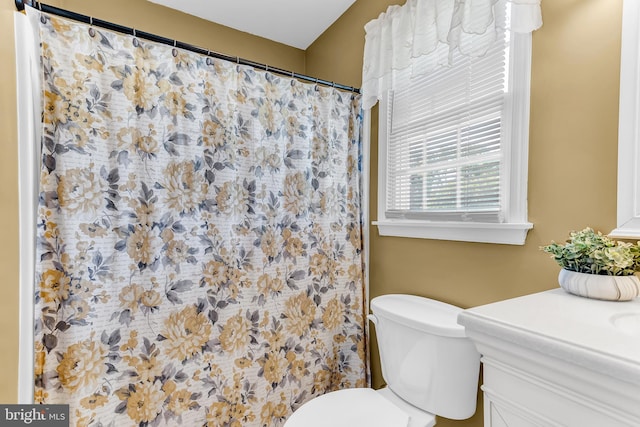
(610, 288)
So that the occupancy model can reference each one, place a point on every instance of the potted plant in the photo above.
(595, 266)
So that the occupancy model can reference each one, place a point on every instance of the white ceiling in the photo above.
(295, 23)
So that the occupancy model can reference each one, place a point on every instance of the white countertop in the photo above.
(568, 327)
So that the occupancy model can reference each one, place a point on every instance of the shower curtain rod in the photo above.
(20, 5)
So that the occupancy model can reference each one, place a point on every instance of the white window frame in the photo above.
(515, 148)
(628, 214)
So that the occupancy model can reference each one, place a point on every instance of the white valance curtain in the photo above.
(422, 34)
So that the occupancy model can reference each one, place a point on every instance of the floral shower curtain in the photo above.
(199, 236)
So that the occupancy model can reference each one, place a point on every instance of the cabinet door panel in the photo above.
(501, 415)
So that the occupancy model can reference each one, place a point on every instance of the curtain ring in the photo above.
(238, 60)
(135, 42)
(43, 18)
(92, 32)
(266, 67)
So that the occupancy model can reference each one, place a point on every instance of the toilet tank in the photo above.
(427, 360)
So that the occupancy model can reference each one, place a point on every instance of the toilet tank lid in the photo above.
(425, 314)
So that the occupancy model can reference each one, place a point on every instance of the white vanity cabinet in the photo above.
(554, 359)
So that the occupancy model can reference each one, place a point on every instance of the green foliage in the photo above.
(589, 252)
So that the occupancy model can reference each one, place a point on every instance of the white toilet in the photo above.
(430, 367)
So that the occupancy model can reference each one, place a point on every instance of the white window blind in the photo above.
(445, 150)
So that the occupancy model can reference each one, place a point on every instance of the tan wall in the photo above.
(572, 159)
(8, 211)
(142, 15)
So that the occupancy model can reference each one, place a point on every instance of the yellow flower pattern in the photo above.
(200, 258)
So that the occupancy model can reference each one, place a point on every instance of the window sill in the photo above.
(630, 229)
(501, 233)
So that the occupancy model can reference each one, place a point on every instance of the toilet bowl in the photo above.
(360, 407)
(430, 367)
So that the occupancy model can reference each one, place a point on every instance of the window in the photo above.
(453, 147)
